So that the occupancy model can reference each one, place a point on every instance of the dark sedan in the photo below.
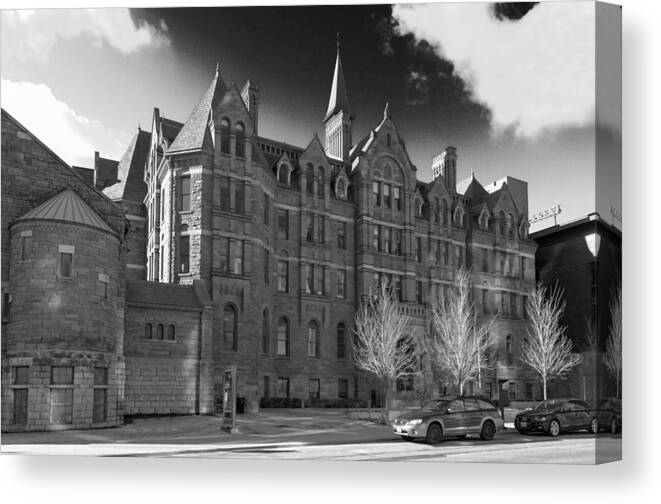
(554, 416)
(450, 416)
(609, 414)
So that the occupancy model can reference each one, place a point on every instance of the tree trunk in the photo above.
(386, 401)
(544, 380)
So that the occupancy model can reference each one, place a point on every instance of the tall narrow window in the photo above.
(225, 136)
(283, 387)
(265, 332)
(308, 276)
(343, 388)
(283, 174)
(320, 229)
(267, 264)
(229, 328)
(321, 185)
(418, 292)
(309, 179)
(99, 408)
(386, 240)
(513, 307)
(437, 211)
(267, 209)
(459, 254)
(20, 381)
(319, 280)
(386, 195)
(283, 224)
(398, 287)
(239, 190)
(61, 395)
(503, 303)
(171, 332)
(397, 195)
(438, 251)
(148, 331)
(418, 249)
(236, 257)
(184, 254)
(485, 301)
(313, 339)
(341, 284)
(509, 348)
(160, 334)
(341, 341)
(376, 194)
(309, 233)
(523, 266)
(225, 194)
(283, 276)
(375, 237)
(184, 195)
(342, 235)
(65, 266)
(26, 245)
(240, 140)
(397, 242)
(444, 212)
(283, 337)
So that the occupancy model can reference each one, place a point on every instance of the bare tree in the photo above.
(548, 351)
(381, 346)
(613, 355)
(458, 344)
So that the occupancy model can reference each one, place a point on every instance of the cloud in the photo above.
(70, 135)
(34, 33)
(534, 74)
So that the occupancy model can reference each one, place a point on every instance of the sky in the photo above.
(512, 88)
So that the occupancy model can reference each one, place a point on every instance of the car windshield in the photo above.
(436, 405)
(548, 405)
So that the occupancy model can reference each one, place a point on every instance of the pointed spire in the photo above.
(386, 111)
(339, 100)
(217, 68)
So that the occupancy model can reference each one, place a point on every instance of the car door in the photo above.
(583, 414)
(455, 418)
(473, 414)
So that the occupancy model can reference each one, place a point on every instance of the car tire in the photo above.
(434, 433)
(407, 438)
(594, 426)
(488, 430)
(613, 426)
(554, 428)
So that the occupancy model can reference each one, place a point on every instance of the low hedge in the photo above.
(279, 402)
(294, 402)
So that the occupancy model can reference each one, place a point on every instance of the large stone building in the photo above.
(129, 289)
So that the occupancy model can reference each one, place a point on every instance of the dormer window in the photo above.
(523, 229)
(341, 188)
(510, 226)
(484, 220)
(284, 174)
(459, 217)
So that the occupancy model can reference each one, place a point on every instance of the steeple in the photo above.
(338, 116)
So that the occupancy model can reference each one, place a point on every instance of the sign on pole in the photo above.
(229, 400)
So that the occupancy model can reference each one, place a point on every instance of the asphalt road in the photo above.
(309, 435)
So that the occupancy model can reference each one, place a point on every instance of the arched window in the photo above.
(313, 339)
(148, 331)
(225, 136)
(229, 328)
(283, 337)
(484, 220)
(265, 331)
(418, 207)
(459, 217)
(321, 186)
(171, 332)
(184, 250)
(240, 140)
(510, 226)
(159, 332)
(501, 223)
(341, 341)
(283, 174)
(444, 212)
(341, 188)
(437, 211)
(523, 229)
(309, 179)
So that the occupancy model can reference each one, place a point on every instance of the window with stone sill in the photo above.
(65, 262)
(26, 245)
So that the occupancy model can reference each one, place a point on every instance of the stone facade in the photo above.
(231, 249)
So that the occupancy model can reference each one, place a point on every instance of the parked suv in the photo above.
(449, 416)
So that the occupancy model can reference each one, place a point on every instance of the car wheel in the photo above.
(594, 426)
(554, 428)
(488, 431)
(407, 438)
(613, 426)
(434, 433)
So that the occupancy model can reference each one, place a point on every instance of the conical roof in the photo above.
(67, 206)
(339, 99)
(191, 135)
(131, 185)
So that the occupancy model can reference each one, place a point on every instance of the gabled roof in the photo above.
(131, 185)
(472, 190)
(67, 206)
(191, 136)
(170, 129)
(339, 99)
(105, 171)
